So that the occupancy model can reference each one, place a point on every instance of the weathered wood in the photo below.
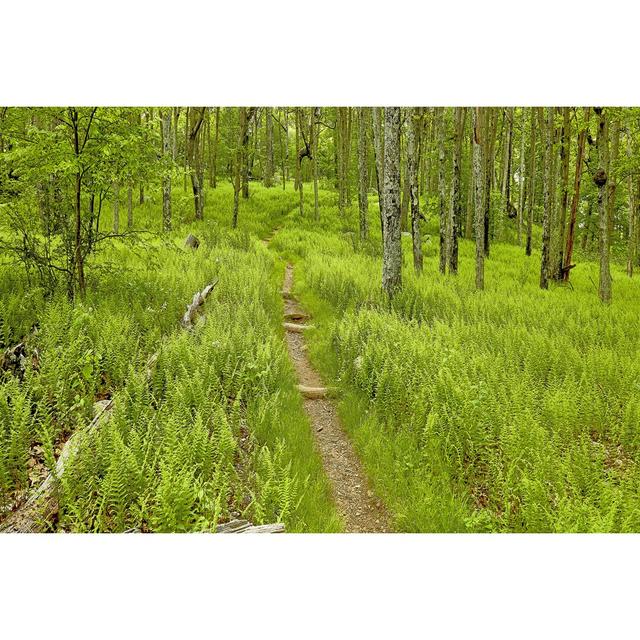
(192, 242)
(199, 298)
(43, 503)
(296, 315)
(296, 328)
(313, 393)
(244, 526)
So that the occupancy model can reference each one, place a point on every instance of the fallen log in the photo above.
(296, 315)
(296, 328)
(244, 526)
(313, 393)
(42, 504)
(199, 299)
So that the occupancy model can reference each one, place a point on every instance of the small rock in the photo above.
(319, 429)
(369, 494)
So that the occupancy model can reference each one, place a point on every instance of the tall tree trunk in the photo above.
(363, 178)
(412, 180)
(489, 166)
(468, 228)
(268, 165)
(582, 136)
(378, 151)
(442, 198)
(391, 236)
(166, 177)
(506, 170)
(546, 220)
(521, 177)
(245, 155)
(600, 179)
(456, 199)
(631, 240)
(315, 133)
(478, 183)
(196, 167)
(564, 190)
(237, 165)
(299, 157)
(612, 180)
(532, 183)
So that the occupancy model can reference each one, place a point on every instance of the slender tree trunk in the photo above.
(442, 198)
(166, 178)
(237, 168)
(299, 160)
(378, 150)
(582, 136)
(478, 183)
(268, 165)
(631, 246)
(600, 179)
(489, 166)
(129, 206)
(391, 236)
(521, 177)
(456, 200)
(116, 207)
(564, 191)
(506, 172)
(363, 178)
(468, 229)
(546, 221)
(532, 183)
(245, 155)
(612, 180)
(412, 179)
(315, 133)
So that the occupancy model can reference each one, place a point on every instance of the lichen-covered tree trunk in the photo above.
(378, 149)
(455, 211)
(478, 183)
(600, 180)
(631, 246)
(521, 177)
(442, 198)
(546, 219)
(582, 136)
(363, 178)
(268, 163)
(391, 235)
(412, 179)
(166, 178)
(532, 183)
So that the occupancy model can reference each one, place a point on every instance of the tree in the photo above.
(268, 165)
(532, 183)
(455, 210)
(546, 220)
(478, 183)
(165, 116)
(194, 154)
(391, 235)
(631, 239)
(363, 178)
(442, 198)
(412, 166)
(600, 180)
(378, 152)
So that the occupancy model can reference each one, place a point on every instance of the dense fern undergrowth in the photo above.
(218, 430)
(513, 409)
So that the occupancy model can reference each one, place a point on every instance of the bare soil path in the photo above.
(361, 511)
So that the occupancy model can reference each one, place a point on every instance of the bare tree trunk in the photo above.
(631, 246)
(315, 133)
(363, 200)
(391, 236)
(194, 127)
(532, 183)
(456, 199)
(521, 178)
(546, 220)
(478, 183)
(245, 155)
(378, 149)
(116, 207)
(491, 119)
(582, 136)
(600, 180)
(468, 229)
(442, 198)
(268, 166)
(506, 171)
(412, 179)
(612, 180)
(166, 178)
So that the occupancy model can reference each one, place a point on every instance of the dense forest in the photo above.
(319, 319)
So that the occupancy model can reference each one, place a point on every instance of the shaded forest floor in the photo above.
(513, 409)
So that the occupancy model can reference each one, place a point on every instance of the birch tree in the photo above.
(546, 220)
(600, 180)
(442, 199)
(412, 166)
(363, 178)
(166, 177)
(478, 183)
(268, 163)
(391, 235)
(455, 211)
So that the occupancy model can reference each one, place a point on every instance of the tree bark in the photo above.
(582, 136)
(456, 197)
(521, 181)
(600, 179)
(378, 150)
(166, 178)
(442, 199)
(268, 165)
(363, 178)
(532, 183)
(478, 183)
(315, 134)
(391, 236)
(412, 178)
(631, 246)
(546, 220)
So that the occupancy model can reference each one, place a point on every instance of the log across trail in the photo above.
(361, 511)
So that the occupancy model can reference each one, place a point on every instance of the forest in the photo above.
(319, 319)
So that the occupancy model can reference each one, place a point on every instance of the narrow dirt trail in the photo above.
(361, 511)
